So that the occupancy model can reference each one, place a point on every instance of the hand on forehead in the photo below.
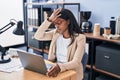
(59, 20)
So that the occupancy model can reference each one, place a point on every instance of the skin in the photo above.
(62, 28)
(60, 24)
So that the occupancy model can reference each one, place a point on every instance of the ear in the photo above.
(68, 21)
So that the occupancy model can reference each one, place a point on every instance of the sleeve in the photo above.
(76, 61)
(41, 33)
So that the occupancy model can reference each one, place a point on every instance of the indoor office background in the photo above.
(102, 11)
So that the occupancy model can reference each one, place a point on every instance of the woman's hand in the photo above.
(54, 15)
(53, 71)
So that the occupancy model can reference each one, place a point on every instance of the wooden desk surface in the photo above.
(90, 35)
(30, 75)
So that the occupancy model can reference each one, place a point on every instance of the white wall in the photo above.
(10, 9)
(102, 10)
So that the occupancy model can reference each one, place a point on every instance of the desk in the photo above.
(30, 75)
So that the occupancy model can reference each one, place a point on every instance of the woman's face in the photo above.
(61, 25)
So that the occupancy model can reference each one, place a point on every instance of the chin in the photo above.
(59, 31)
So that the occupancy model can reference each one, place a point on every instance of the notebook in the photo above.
(33, 62)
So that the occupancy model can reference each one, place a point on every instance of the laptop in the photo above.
(33, 62)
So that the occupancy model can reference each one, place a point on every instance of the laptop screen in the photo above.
(33, 61)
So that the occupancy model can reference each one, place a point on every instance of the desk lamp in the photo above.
(17, 31)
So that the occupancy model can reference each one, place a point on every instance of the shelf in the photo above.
(54, 3)
(34, 15)
(32, 26)
(90, 35)
(88, 66)
(36, 27)
(45, 50)
(105, 72)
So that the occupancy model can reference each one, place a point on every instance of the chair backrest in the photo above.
(84, 60)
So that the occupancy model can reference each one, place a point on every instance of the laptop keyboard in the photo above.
(48, 65)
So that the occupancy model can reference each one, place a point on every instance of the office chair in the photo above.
(84, 61)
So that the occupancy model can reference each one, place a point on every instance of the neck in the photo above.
(66, 34)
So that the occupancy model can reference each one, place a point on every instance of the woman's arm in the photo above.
(41, 34)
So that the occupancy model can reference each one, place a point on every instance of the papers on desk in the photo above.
(14, 65)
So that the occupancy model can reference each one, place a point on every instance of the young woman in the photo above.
(67, 42)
